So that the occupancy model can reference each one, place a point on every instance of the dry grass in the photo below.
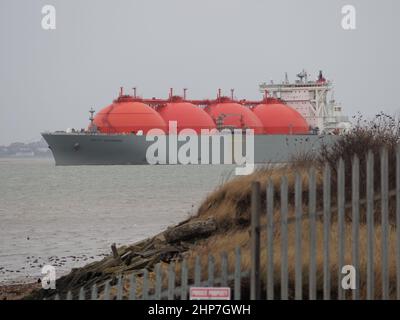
(227, 242)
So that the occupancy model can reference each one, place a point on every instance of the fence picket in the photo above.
(171, 281)
(132, 287)
(184, 280)
(69, 295)
(107, 290)
(313, 231)
(255, 283)
(341, 226)
(82, 293)
(120, 287)
(398, 222)
(224, 269)
(298, 241)
(158, 284)
(145, 285)
(238, 273)
(270, 240)
(385, 222)
(370, 225)
(197, 272)
(94, 292)
(211, 266)
(355, 198)
(327, 231)
(284, 238)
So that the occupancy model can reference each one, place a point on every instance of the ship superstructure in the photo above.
(313, 99)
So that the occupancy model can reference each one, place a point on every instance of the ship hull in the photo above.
(102, 149)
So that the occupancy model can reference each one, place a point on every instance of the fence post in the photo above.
(313, 231)
(385, 223)
(270, 240)
(327, 231)
(370, 225)
(255, 285)
(284, 238)
(355, 198)
(341, 226)
(298, 242)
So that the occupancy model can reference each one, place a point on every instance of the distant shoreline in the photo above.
(17, 291)
(49, 157)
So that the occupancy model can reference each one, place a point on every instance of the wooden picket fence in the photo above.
(285, 285)
(171, 291)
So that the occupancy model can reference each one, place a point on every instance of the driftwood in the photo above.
(115, 253)
(190, 230)
(145, 254)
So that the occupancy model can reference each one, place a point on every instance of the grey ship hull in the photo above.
(103, 149)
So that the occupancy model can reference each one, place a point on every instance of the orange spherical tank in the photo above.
(235, 115)
(187, 116)
(278, 118)
(128, 116)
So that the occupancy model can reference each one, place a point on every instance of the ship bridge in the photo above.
(310, 99)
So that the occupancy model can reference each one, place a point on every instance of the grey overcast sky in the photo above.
(50, 79)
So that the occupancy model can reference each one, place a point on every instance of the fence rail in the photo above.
(318, 243)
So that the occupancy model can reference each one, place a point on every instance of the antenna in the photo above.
(92, 127)
(219, 93)
(91, 111)
(184, 93)
(171, 92)
(232, 91)
(301, 75)
(286, 78)
(121, 91)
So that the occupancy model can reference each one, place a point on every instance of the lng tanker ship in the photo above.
(291, 119)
